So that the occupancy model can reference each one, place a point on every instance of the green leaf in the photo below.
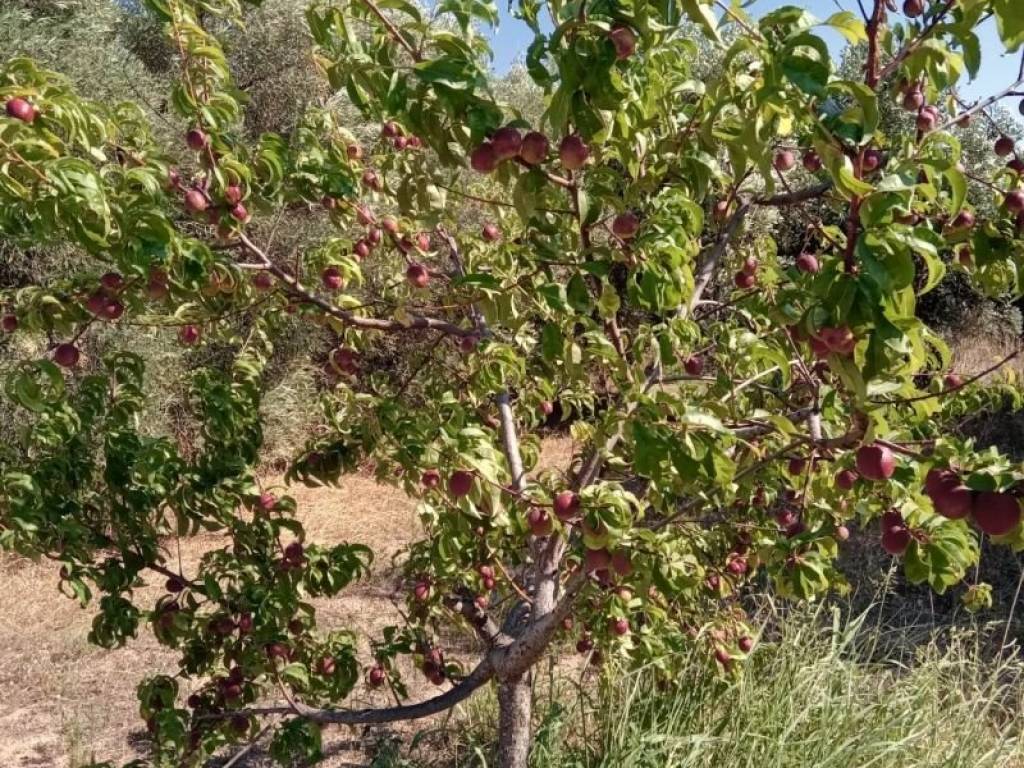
(849, 26)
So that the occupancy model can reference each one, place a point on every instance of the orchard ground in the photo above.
(68, 702)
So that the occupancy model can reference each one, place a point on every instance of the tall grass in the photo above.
(808, 699)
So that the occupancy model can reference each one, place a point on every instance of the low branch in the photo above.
(483, 672)
(710, 264)
(295, 288)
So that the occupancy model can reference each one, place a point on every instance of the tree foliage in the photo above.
(735, 404)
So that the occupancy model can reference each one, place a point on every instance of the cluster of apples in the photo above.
(995, 513)
(392, 131)
(532, 149)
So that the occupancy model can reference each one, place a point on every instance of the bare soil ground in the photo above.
(66, 702)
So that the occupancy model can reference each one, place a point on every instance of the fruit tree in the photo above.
(733, 406)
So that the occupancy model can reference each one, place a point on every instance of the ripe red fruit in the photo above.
(842, 532)
(460, 483)
(332, 278)
(535, 148)
(546, 407)
(624, 41)
(375, 678)
(195, 201)
(326, 666)
(625, 225)
(585, 644)
(329, 203)
(1014, 201)
(737, 566)
(895, 539)
(262, 281)
(421, 591)
(354, 152)
(913, 8)
(596, 560)
(490, 233)
(370, 179)
(277, 651)
(807, 262)
(744, 280)
(722, 657)
(871, 160)
(364, 215)
(390, 224)
(622, 564)
(9, 323)
(812, 161)
(267, 501)
(112, 282)
(390, 130)
(430, 479)
(845, 479)
(694, 365)
(950, 498)
(619, 626)
(66, 355)
(784, 160)
(415, 142)
(785, 517)
(1004, 146)
(20, 109)
(96, 303)
(174, 585)
(373, 237)
(573, 152)
(566, 505)
(239, 213)
(233, 194)
(952, 381)
(927, 119)
(189, 334)
(400, 143)
(422, 241)
(506, 142)
(750, 265)
(467, 344)
(746, 644)
(797, 466)
(294, 552)
(996, 513)
(913, 99)
(417, 275)
(196, 140)
(483, 159)
(875, 462)
(964, 220)
(539, 521)
(112, 309)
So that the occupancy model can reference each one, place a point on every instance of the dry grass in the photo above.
(67, 702)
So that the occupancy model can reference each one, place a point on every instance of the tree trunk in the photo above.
(515, 705)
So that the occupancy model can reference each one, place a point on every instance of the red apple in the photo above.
(950, 498)
(490, 233)
(784, 160)
(484, 159)
(871, 160)
(66, 355)
(913, 8)
(9, 323)
(952, 381)
(996, 513)
(812, 161)
(535, 148)
(566, 505)
(539, 521)
(622, 564)
(546, 407)
(460, 483)
(624, 41)
(267, 501)
(913, 99)
(845, 479)
(375, 677)
(746, 644)
(332, 279)
(1004, 146)
(573, 152)
(625, 225)
(895, 539)
(20, 109)
(196, 140)
(596, 560)
(239, 213)
(417, 275)
(1014, 201)
(195, 201)
(744, 280)
(964, 220)
(694, 365)
(189, 334)
(431, 478)
(797, 465)
(619, 626)
(371, 180)
(875, 462)
(807, 262)
(506, 142)
(390, 130)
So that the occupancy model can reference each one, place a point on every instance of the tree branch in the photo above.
(416, 322)
(710, 264)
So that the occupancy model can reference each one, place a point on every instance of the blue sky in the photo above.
(997, 72)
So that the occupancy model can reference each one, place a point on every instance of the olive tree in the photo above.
(732, 409)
